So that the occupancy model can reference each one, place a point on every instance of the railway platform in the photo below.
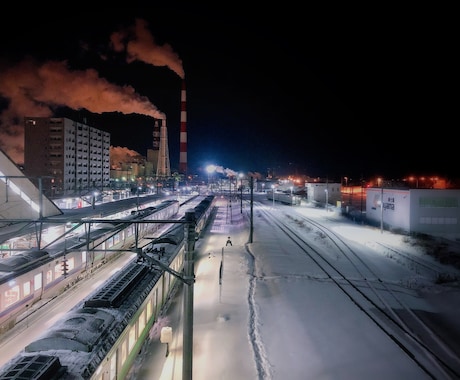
(219, 305)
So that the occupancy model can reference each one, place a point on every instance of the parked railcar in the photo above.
(203, 212)
(175, 233)
(34, 275)
(285, 198)
(102, 335)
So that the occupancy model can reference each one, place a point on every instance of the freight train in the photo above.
(102, 335)
(33, 275)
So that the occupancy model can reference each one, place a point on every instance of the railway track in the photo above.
(439, 273)
(383, 301)
(24, 331)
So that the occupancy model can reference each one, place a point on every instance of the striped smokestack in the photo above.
(183, 133)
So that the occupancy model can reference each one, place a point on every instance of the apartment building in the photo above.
(69, 157)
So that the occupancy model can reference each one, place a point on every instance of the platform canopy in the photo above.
(20, 199)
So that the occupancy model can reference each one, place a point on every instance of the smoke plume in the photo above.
(139, 45)
(33, 89)
(225, 171)
(120, 155)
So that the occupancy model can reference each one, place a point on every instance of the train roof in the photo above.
(15, 263)
(174, 235)
(25, 368)
(81, 330)
(77, 343)
(86, 333)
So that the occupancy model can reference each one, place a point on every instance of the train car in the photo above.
(34, 275)
(175, 234)
(101, 336)
(203, 212)
(285, 198)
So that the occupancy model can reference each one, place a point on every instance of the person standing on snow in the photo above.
(228, 241)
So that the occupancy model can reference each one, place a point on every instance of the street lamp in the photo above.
(241, 192)
(381, 206)
(138, 188)
(291, 195)
(273, 188)
(210, 169)
(95, 194)
(327, 200)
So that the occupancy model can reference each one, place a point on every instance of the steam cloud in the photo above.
(231, 173)
(33, 89)
(139, 45)
(226, 171)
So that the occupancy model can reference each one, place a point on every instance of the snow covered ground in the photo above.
(271, 316)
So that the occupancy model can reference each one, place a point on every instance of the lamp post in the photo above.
(137, 201)
(251, 203)
(230, 200)
(93, 203)
(241, 193)
(381, 206)
(273, 188)
(210, 169)
(327, 200)
(189, 277)
(291, 195)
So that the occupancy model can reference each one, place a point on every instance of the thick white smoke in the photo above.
(33, 89)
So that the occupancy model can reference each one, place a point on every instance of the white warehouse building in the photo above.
(426, 211)
(324, 192)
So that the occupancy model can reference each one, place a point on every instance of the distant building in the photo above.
(70, 157)
(433, 212)
(324, 192)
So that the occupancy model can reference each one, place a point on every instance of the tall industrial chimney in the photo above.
(183, 133)
(156, 136)
(153, 154)
(163, 167)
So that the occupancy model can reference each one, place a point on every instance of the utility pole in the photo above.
(189, 278)
(251, 228)
(381, 208)
(241, 198)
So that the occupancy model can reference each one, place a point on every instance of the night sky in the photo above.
(356, 93)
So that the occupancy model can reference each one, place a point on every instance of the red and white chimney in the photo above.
(183, 133)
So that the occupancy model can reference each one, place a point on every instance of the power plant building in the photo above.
(70, 157)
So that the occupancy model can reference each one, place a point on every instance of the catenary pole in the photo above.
(189, 278)
(381, 208)
(251, 228)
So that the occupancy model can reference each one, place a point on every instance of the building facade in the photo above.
(324, 193)
(70, 157)
(426, 211)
